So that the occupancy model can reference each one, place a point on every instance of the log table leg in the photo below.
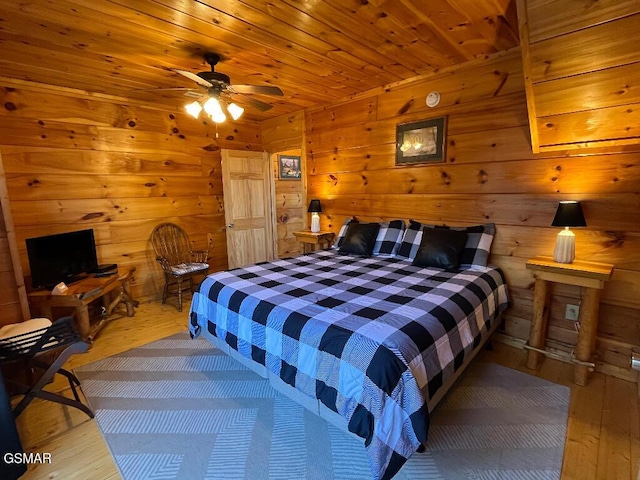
(83, 321)
(539, 323)
(128, 297)
(588, 320)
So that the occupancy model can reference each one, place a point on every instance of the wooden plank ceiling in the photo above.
(316, 51)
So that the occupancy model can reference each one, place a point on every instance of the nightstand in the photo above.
(591, 278)
(313, 241)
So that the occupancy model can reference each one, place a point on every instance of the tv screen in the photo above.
(61, 258)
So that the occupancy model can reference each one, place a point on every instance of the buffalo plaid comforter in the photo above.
(371, 338)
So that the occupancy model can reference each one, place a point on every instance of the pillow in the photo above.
(359, 239)
(478, 246)
(476, 250)
(343, 232)
(389, 238)
(440, 248)
(410, 241)
(387, 242)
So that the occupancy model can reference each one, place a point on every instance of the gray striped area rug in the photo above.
(181, 409)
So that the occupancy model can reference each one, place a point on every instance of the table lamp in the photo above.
(568, 214)
(314, 209)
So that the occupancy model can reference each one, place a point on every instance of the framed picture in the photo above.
(421, 142)
(289, 167)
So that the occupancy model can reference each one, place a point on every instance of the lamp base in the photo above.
(565, 251)
(315, 223)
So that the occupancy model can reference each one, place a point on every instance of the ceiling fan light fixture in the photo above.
(235, 110)
(218, 86)
(193, 109)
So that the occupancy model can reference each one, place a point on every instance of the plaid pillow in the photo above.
(476, 250)
(411, 240)
(389, 238)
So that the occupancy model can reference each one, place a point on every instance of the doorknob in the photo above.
(229, 225)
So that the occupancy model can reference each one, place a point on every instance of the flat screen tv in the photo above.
(64, 257)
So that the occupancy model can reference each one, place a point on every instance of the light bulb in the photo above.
(210, 105)
(235, 110)
(193, 109)
(213, 108)
(218, 117)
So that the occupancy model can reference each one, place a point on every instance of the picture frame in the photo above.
(289, 167)
(421, 142)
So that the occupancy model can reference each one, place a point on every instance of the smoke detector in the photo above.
(433, 99)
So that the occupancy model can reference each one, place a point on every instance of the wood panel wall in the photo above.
(75, 161)
(490, 175)
(10, 310)
(285, 136)
(581, 68)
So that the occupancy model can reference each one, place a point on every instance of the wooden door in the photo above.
(248, 205)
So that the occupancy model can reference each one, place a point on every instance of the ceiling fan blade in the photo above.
(161, 89)
(259, 89)
(257, 104)
(194, 77)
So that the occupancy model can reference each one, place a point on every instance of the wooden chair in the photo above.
(179, 263)
(43, 350)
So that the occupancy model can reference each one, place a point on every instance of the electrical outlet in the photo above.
(572, 312)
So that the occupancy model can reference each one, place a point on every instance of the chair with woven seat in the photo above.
(36, 346)
(179, 263)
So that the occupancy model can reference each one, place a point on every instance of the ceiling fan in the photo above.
(219, 94)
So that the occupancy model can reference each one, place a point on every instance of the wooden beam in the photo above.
(523, 28)
(13, 245)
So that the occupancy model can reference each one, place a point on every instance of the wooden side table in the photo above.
(113, 290)
(591, 278)
(313, 241)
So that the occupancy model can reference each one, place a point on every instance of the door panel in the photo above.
(248, 201)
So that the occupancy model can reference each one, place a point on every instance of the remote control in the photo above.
(104, 274)
(90, 293)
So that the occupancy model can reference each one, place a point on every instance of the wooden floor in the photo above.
(603, 437)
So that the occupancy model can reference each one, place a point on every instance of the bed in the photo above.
(371, 343)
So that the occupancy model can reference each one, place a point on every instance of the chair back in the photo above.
(171, 242)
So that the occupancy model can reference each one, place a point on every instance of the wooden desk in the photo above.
(591, 278)
(113, 290)
(312, 241)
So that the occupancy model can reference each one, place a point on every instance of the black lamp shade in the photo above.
(315, 206)
(569, 214)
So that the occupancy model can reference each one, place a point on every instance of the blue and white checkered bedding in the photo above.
(371, 338)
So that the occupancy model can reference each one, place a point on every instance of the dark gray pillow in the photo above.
(440, 248)
(359, 239)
